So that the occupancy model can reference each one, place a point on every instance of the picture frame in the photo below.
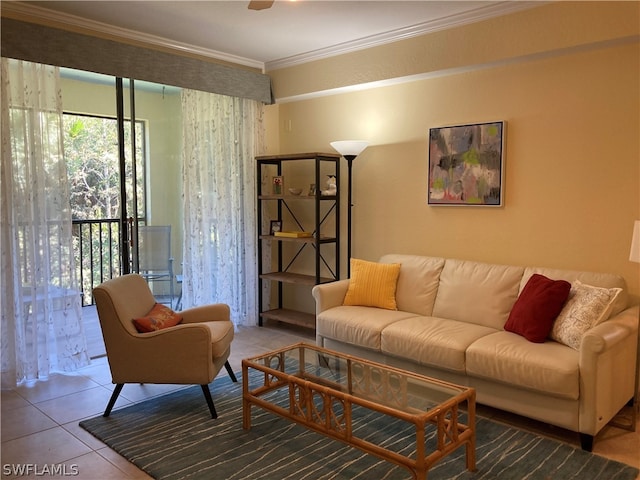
(466, 165)
(278, 185)
(276, 226)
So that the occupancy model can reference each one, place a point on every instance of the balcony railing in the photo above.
(97, 253)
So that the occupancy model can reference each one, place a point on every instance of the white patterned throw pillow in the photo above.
(586, 307)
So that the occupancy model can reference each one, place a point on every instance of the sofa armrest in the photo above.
(329, 295)
(607, 369)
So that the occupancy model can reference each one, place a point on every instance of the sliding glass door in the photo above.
(122, 144)
(155, 216)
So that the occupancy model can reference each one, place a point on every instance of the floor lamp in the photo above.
(634, 256)
(349, 149)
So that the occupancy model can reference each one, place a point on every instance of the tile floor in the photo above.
(40, 423)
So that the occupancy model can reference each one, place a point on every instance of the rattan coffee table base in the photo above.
(323, 405)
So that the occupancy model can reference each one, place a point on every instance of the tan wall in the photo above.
(272, 134)
(572, 146)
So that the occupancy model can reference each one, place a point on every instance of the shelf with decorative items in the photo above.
(299, 232)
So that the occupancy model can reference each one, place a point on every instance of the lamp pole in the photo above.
(349, 149)
(634, 256)
(350, 159)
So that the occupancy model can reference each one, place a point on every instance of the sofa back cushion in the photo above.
(605, 280)
(478, 293)
(417, 283)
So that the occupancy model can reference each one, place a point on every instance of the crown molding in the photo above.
(34, 14)
(451, 21)
(628, 40)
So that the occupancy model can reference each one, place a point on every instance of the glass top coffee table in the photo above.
(359, 402)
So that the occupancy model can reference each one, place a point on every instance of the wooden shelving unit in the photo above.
(323, 208)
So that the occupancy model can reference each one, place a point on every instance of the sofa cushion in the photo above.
(360, 326)
(477, 293)
(372, 284)
(548, 367)
(417, 282)
(586, 307)
(537, 307)
(432, 341)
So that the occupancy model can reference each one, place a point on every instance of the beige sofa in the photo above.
(449, 324)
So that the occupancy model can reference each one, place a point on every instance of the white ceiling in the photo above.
(289, 32)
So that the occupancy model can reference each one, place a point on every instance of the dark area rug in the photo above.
(174, 437)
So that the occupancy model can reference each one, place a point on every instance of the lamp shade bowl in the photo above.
(351, 148)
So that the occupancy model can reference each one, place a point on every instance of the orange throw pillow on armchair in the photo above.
(158, 318)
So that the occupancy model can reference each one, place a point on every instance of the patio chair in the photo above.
(191, 352)
(155, 262)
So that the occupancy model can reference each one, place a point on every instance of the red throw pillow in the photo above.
(158, 318)
(538, 305)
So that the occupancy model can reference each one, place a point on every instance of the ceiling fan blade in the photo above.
(260, 4)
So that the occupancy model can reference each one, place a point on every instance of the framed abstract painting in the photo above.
(466, 165)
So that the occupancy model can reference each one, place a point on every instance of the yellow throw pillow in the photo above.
(373, 284)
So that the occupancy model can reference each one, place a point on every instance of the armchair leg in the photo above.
(207, 395)
(112, 400)
(230, 372)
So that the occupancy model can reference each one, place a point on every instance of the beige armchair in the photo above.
(192, 352)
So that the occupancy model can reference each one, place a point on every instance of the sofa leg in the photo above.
(112, 400)
(207, 396)
(230, 372)
(586, 442)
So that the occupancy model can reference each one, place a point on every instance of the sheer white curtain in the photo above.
(41, 311)
(221, 136)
